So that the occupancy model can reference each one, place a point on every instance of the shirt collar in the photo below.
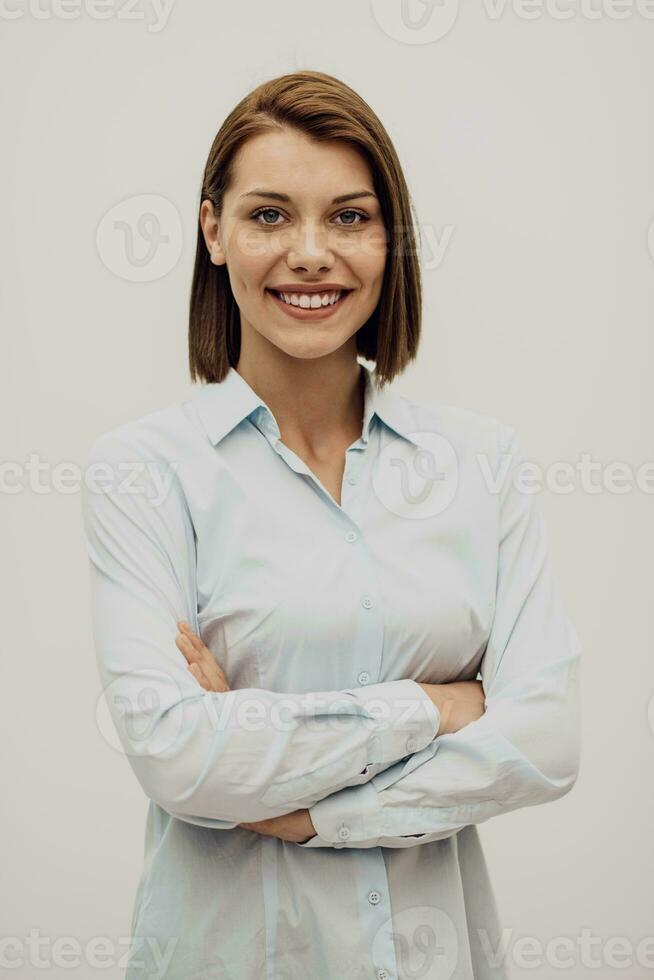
(222, 405)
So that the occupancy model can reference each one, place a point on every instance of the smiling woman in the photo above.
(303, 194)
(307, 238)
(293, 636)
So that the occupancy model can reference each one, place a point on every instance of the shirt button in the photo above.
(366, 601)
(374, 897)
(351, 536)
(343, 833)
(411, 744)
(351, 479)
(363, 677)
(382, 974)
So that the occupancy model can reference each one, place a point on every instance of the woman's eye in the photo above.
(265, 211)
(356, 214)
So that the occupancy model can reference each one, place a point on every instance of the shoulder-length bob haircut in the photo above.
(324, 108)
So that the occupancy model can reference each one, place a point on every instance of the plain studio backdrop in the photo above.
(525, 132)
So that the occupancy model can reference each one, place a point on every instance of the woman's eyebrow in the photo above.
(259, 192)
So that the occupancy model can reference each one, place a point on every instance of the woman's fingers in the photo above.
(204, 661)
(197, 653)
(210, 676)
(199, 676)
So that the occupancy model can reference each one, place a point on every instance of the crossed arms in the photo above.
(395, 777)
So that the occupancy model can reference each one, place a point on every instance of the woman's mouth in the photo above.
(310, 306)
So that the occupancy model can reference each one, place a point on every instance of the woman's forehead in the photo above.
(284, 161)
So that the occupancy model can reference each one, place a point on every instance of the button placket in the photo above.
(376, 912)
(370, 620)
(349, 477)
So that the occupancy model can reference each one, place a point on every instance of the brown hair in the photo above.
(324, 108)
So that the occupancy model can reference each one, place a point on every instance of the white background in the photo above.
(528, 149)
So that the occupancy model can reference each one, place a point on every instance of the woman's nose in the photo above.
(309, 246)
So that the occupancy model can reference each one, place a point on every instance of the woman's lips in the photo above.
(304, 313)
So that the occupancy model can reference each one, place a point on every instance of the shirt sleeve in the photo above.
(525, 748)
(209, 758)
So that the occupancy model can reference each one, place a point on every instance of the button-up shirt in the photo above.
(433, 566)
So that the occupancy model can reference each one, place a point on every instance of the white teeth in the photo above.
(310, 300)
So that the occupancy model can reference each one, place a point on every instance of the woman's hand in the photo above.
(201, 662)
(296, 827)
(459, 703)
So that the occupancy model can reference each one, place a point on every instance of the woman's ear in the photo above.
(216, 253)
(211, 231)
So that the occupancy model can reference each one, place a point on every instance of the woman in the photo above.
(297, 587)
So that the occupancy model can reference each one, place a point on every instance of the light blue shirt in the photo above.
(323, 617)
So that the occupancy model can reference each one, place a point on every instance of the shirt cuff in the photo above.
(408, 719)
(349, 815)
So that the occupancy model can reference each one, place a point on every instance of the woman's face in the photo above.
(285, 225)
